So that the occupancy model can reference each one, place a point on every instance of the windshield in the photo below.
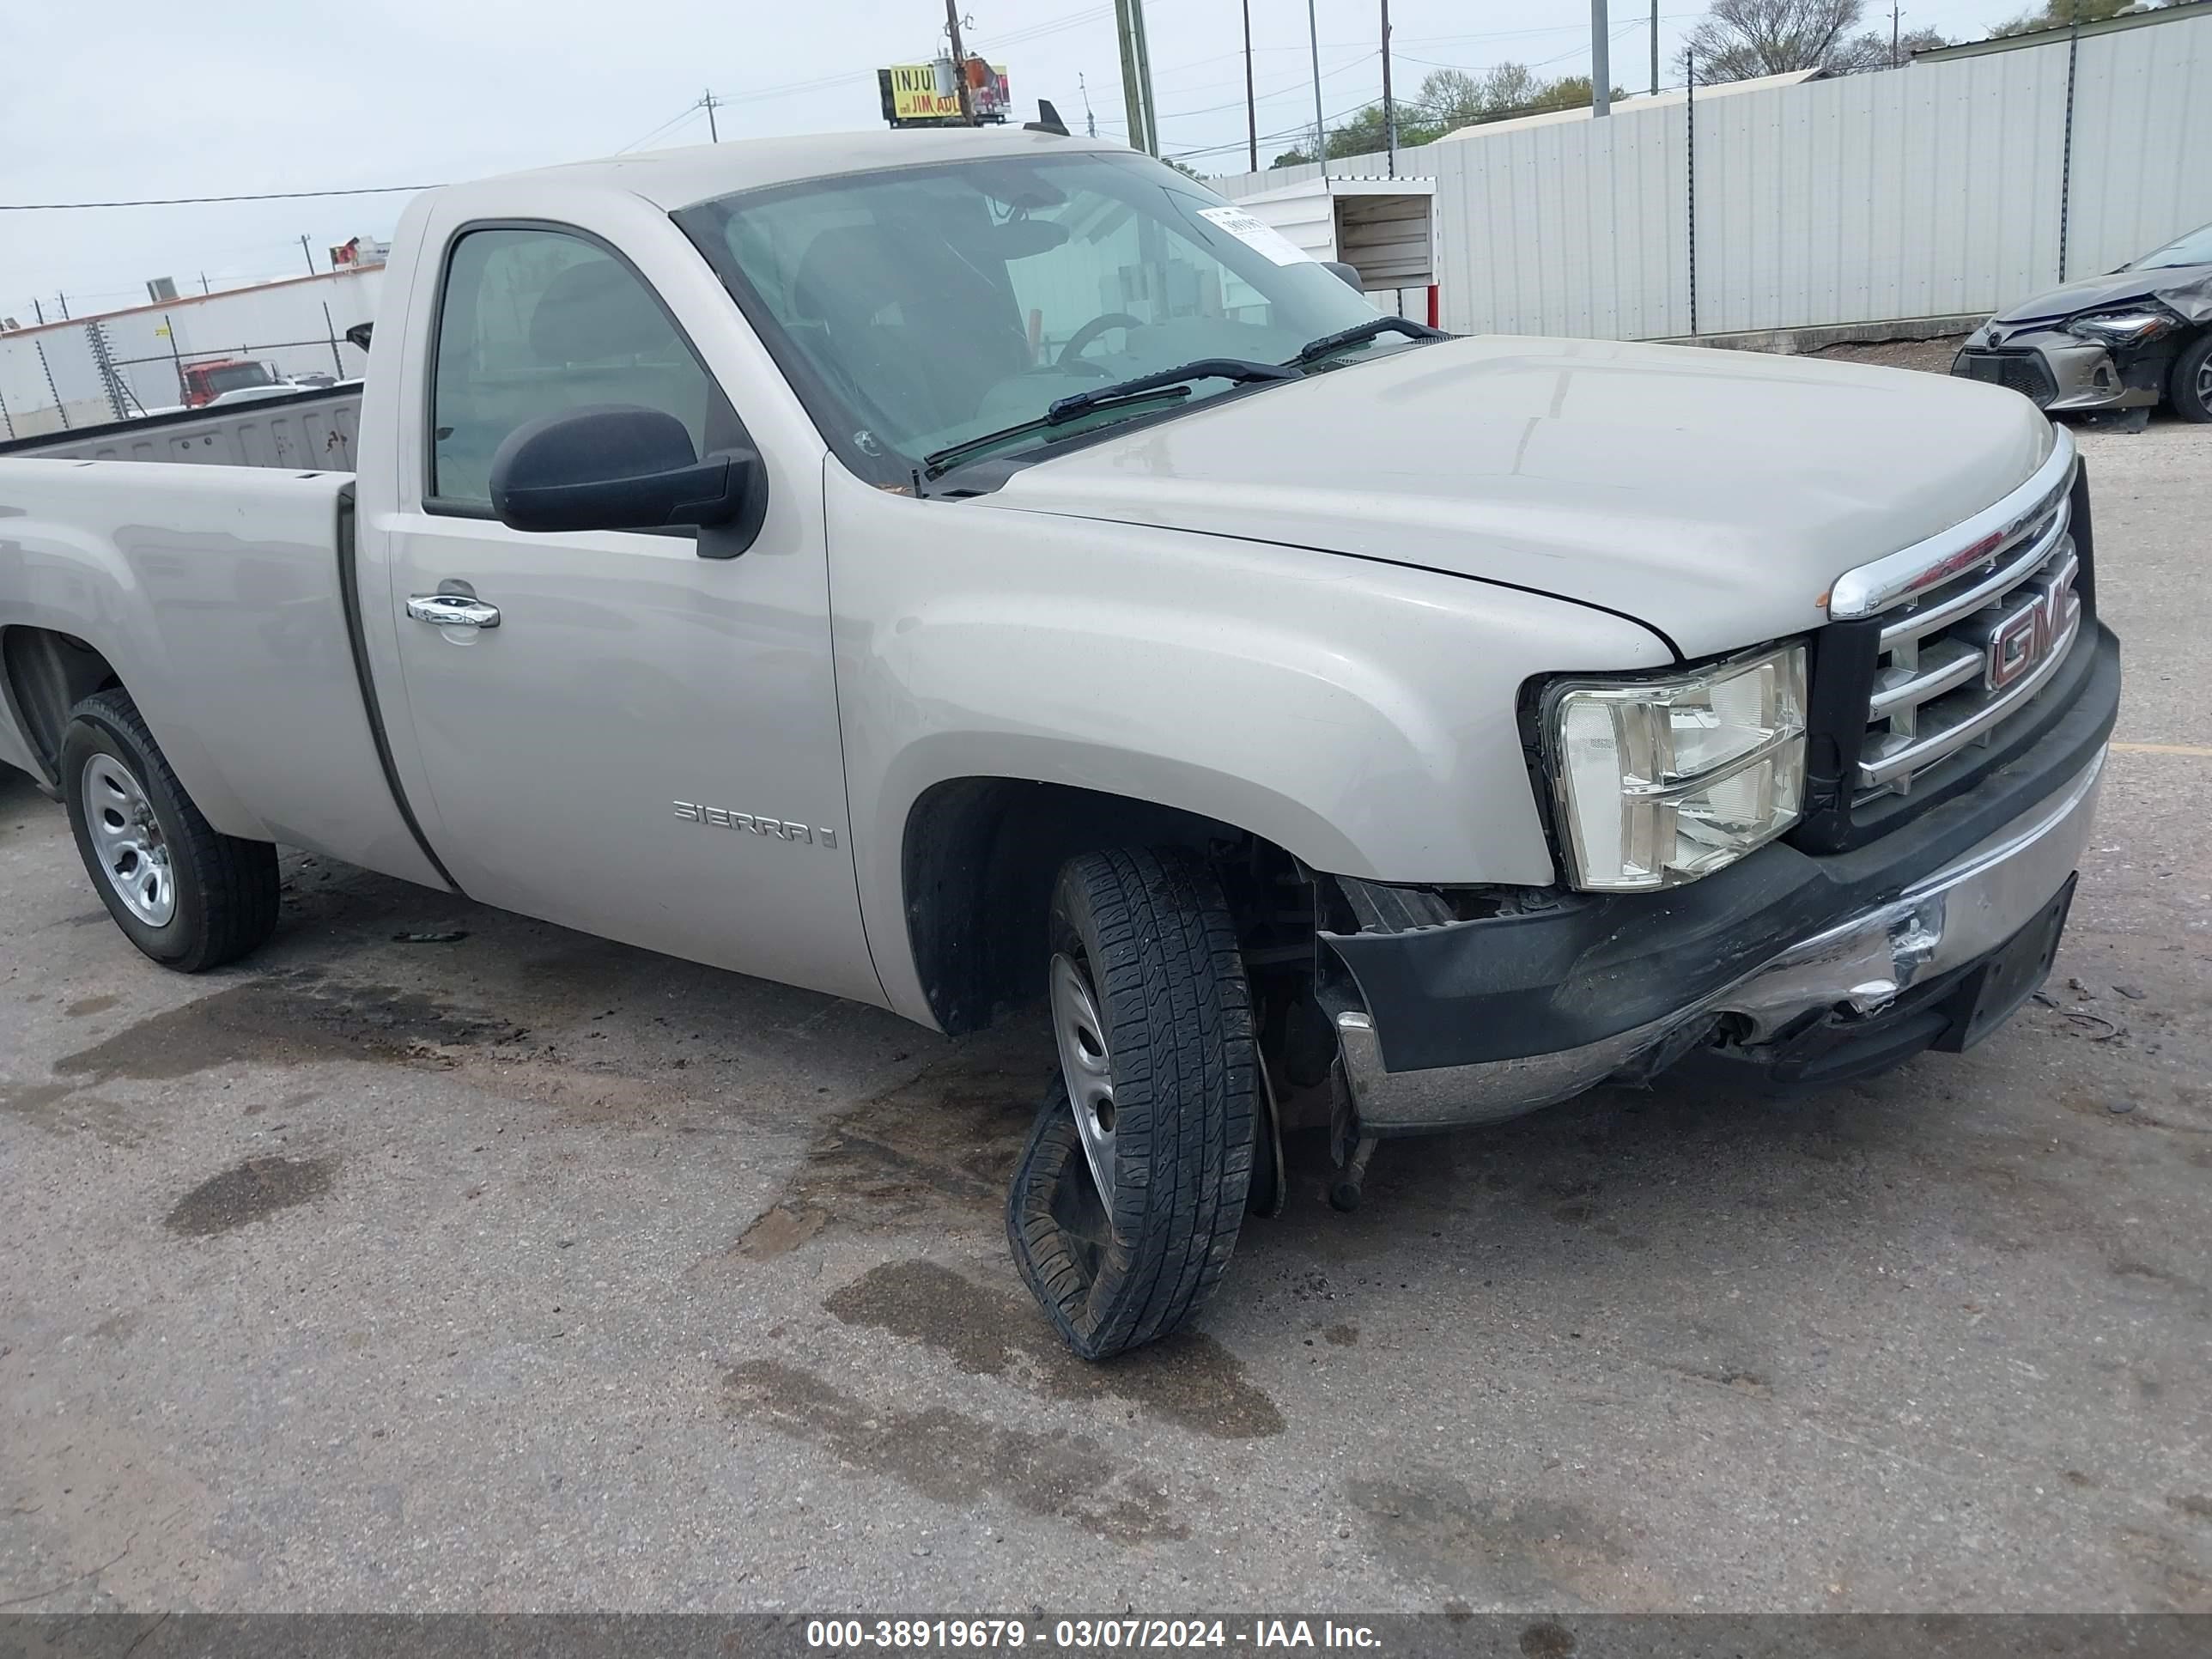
(2194, 249)
(917, 308)
(232, 376)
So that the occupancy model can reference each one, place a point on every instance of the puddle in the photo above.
(286, 1019)
(937, 1150)
(1522, 1549)
(254, 1191)
(957, 1460)
(1188, 1379)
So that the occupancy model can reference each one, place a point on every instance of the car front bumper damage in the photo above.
(2062, 373)
(1802, 969)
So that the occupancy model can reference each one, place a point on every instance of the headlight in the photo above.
(1661, 781)
(2131, 326)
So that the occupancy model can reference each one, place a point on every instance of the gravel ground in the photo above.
(1933, 356)
(524, 1270)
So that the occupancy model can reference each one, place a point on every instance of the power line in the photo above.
(195, 201)
(1051, 26)
(1299, 85)
(682, 115)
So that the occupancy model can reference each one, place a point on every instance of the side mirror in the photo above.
(1350, 273)
(616, 466)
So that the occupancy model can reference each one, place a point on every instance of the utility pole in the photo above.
(62, 300)
(309, 252)
(1137, 76)
(959, 64)
(709, 102)
(204, 289)
(1251, 106)
(1389, 107)
(1090, 121)
(1893, 33)
(1655, 48)
(39, 312)
(1601, 65)
(1321, 126)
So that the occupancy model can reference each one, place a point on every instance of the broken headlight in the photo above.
(1659, 781)
(2125, 325)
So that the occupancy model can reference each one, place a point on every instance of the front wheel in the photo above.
(1128, 1194)
(186, 894)
(2190, 388)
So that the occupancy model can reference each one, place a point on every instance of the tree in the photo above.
(1451, 99)
(1741, 39)
(2057, 13)
(1569, 92)
(1454, 98)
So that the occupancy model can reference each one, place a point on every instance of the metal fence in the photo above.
(1956, 185)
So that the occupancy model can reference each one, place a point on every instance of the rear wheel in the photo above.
(2188, 388)
(186, 895)
(1128, 1195)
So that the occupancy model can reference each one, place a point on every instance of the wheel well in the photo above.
(980, 859)
(49, 673)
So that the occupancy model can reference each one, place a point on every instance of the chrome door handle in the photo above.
(452, 611)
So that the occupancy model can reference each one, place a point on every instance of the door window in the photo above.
(536, 321)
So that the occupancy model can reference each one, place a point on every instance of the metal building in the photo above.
(1962, 183)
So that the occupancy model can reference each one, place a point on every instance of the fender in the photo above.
(1362, 716)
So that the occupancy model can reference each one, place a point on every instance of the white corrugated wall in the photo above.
(279, 323)
(1928, 191)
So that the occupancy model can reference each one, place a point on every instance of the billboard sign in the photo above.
(911, 97)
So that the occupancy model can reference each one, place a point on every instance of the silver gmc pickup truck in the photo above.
(988, 574)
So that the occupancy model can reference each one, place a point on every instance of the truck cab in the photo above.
(206, 381)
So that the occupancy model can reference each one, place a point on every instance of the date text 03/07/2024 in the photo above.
(1087, 1635)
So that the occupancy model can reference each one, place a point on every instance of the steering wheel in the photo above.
(1084, 338)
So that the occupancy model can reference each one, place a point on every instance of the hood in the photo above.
(1714, 495)
(2096, 293)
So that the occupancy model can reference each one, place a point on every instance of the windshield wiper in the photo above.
(944, 460)
(1240, 369)
(1314, 350)
(1162, 386)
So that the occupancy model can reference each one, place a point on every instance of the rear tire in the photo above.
(184, 893)
(2189, 389)
(1122, 1221)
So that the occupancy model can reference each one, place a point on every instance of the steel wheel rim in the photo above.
(2205, 382)
(127, 841)
(1086, 1063)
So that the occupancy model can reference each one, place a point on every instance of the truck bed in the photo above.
(313, 430)
(224, 600)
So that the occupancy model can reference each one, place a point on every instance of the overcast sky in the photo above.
(132, 99)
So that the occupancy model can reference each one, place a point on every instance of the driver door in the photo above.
(642, 743)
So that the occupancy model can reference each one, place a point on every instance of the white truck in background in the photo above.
(888, 564)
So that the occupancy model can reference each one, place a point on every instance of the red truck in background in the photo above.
(206, 381)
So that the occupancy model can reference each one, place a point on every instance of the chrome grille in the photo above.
(1974, 624)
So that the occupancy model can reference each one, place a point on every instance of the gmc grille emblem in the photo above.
(2018, 636)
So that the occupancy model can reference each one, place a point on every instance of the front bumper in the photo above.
(2059, 373)
(1475, 1022)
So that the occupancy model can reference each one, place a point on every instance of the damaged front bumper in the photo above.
(1963, 917)
(2062, 373)
(1808, 967)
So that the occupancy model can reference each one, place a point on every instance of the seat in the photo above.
(923, 331)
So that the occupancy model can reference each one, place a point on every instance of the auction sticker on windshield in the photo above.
(1260, 238)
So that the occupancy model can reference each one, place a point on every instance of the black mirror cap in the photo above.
(1349, 273)
(618, 466)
